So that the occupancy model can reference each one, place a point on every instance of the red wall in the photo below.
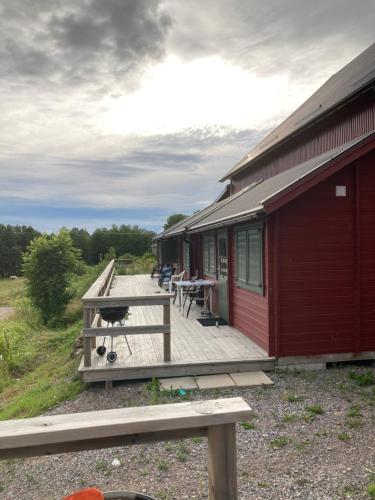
(366, 254)
(248, 311)
(353, 121)
(324, 262)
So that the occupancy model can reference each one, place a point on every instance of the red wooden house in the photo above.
(291, 241)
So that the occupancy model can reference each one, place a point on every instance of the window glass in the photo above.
(241, 256)
(249, 258)
(209, 254)
(255, 256)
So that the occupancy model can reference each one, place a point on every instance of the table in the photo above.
(193, 286)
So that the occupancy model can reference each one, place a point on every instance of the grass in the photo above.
(371, 490)
(290, 417)
(249, 426)
(11, 291)
(314, 409)
(344, 437)
(38, 368)
(292, 398)
(362, 378)
(279, 442)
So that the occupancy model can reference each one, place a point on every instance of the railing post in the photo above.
(222, 462)
(86, 340)
(92, 317)
(167, 335)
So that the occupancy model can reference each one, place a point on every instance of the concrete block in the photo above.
(246, 379)
(215, 381)
(175, 383)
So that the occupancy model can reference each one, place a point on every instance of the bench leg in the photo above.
(222, 462)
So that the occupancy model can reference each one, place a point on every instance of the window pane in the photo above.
(212, 256)
(186, 257)
(241, 256)
(205, 255)
(255, 256)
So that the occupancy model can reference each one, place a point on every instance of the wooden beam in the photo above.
(98, 425)
(112, 301)
(126, 330)
(222, 462)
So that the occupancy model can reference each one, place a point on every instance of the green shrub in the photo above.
(48, 266)
(371, 490)
(363, 378)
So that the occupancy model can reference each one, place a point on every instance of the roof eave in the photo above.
(344, 102)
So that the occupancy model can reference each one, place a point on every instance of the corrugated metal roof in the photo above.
(351, 79)
(251, 201)
(185, 224)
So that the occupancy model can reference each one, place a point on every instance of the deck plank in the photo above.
(191, 343)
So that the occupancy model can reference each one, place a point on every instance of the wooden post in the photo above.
(92, 317)
(167, 335)
(222, 462)
(86, 340)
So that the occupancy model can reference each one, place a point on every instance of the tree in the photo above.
(173, 219)
(82, 240)
(48, 265)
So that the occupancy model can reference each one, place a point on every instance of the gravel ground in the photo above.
(289, 448)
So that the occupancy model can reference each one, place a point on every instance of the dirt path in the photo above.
(6, 312)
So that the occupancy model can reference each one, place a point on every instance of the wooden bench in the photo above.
(126, 426)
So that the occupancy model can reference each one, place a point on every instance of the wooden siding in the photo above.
(353, 121)
(248, 310)
(316, 270)
(366, 254)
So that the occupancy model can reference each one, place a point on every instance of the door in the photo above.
(222, 248)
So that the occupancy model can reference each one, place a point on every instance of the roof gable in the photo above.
(267, 196)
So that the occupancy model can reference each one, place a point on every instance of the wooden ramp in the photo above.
(195, 350)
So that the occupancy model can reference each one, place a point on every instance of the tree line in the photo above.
(119, 240)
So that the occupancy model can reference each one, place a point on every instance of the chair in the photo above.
(165, 276)
(172, 283)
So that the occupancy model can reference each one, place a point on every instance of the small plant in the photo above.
(101, 465)
(279, 442)
(292, 398)
(344, 437)
(153, 388)
(354, 422)
(290, 417)
(197, 440)
(363, 379)
(163, 465)
(249, 426)
(371, 490)
(354, 411)
(182, 451)
(314, 409)
(303, 445)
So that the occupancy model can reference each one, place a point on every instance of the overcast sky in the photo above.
(124, 111)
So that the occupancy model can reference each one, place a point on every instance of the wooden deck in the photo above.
(195, 349)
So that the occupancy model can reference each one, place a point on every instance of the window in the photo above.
(249, 258)
(209, 255)
(186, 252)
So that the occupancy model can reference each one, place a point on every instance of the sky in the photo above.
(126, 111)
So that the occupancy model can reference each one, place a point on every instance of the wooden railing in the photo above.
(127, 426)
(98, 297)
(91, 303)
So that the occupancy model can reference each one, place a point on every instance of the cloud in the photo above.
(273, 36)
(73, 43)
(108, 105)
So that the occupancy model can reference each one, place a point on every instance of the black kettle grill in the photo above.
(112, 315)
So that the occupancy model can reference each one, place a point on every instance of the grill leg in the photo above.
(128, 344)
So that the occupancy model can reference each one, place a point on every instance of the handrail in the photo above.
(100, 285)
